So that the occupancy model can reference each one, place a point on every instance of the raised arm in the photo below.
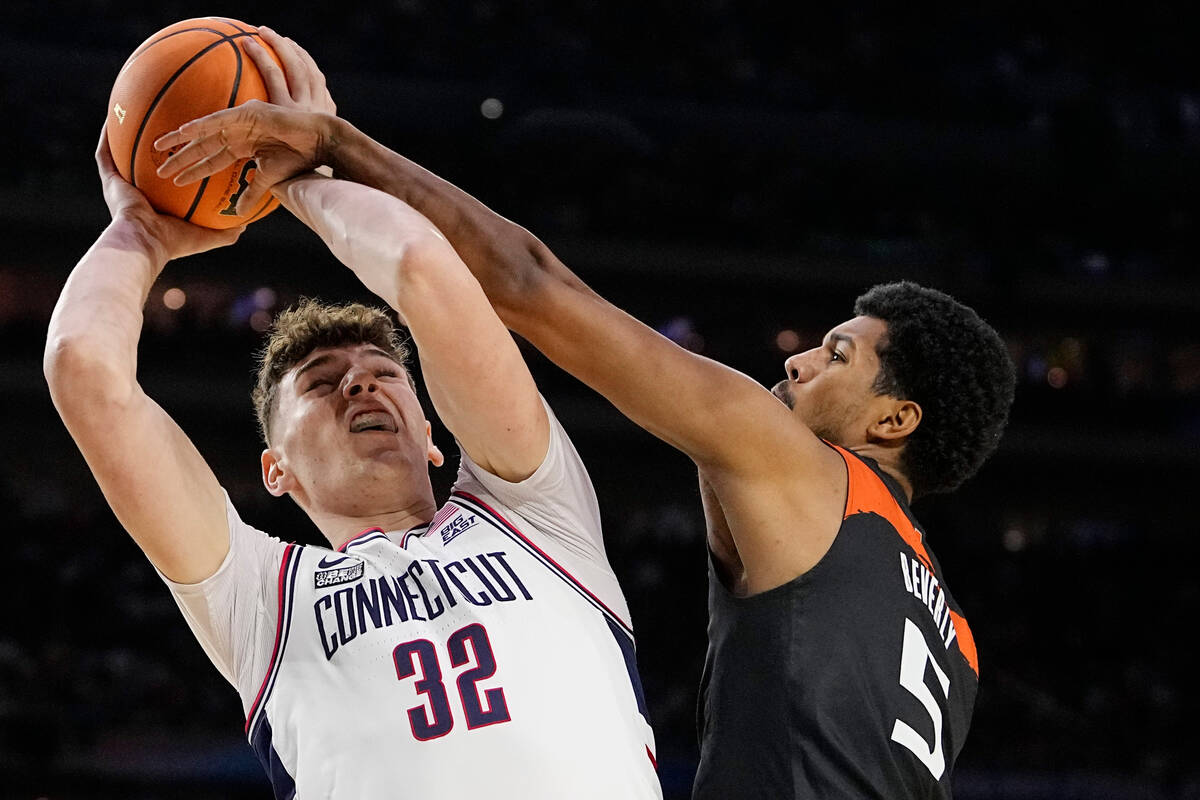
(475, 374)
(158, 485)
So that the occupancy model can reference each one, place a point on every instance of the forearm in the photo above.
(473, 371)
(157, 484)
(97, 321)
(501, 254)
(533, 293)
(381, 239)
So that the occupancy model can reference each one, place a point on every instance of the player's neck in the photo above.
(341, 528)
(888, 459)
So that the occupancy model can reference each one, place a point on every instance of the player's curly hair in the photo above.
(943, 356)
(311, 324)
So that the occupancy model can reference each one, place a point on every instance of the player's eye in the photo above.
(386, 373)
(835, 355)
(318, 383)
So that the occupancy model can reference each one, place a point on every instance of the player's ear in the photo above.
(277, 479)
(431, 450)
(896, 421)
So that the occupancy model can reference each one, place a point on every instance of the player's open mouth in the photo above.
(372, 421)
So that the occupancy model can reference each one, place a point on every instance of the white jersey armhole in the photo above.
(232, 613)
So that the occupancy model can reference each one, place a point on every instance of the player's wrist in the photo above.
(141, 232)
(328, 139)
(338, 145)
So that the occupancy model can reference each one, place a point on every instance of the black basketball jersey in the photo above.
(855, 680)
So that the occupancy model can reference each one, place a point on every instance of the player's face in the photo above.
(830, 388)
(349, 429)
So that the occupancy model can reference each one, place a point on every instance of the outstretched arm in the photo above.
(715, 414)
(691, 402)
(774, 491)
(475, 374)
(158, 485)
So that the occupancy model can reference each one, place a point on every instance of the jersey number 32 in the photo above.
(419, 659)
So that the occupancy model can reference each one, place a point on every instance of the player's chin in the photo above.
(377, 441)
(388, 450)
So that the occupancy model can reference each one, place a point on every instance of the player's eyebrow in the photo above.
(375, 351)
(325, 358)
(841, 337)
(316, 362)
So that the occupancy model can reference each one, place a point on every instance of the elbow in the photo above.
(519, 269)
(425, 273)
(529, 260)
(60, 361)
(81, 379)
(426, 263)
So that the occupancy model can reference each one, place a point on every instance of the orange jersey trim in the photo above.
(866, 493)
(966, 641)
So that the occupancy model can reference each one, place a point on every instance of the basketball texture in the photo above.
(185, 71)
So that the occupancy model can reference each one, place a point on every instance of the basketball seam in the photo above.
(237, 85)
(265, 206)
(236, 25)
(148, 45)
(224, 37)
(158, 97)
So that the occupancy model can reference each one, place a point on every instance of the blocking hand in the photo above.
(285, 137)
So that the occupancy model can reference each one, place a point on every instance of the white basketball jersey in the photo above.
(459, 659)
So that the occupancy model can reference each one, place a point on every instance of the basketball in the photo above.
(185, 71)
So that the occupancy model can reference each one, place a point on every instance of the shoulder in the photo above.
(782, 516)
(561, 472)
(869, 491)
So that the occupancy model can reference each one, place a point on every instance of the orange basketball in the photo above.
(185, 71)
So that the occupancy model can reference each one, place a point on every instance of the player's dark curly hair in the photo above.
(308, 325)
(943, 356)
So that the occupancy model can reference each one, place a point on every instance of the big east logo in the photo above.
(456, 527)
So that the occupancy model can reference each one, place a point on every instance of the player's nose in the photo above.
(801, 367)
(359, 380)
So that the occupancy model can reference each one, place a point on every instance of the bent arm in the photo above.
(475, 374)
(157, 484)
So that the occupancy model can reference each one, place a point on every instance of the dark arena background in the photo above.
(734, 174)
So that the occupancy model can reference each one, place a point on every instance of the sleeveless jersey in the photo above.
(857, 679)
(462, 658)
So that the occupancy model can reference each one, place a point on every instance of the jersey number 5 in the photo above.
(436, 719)
(912, 677)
